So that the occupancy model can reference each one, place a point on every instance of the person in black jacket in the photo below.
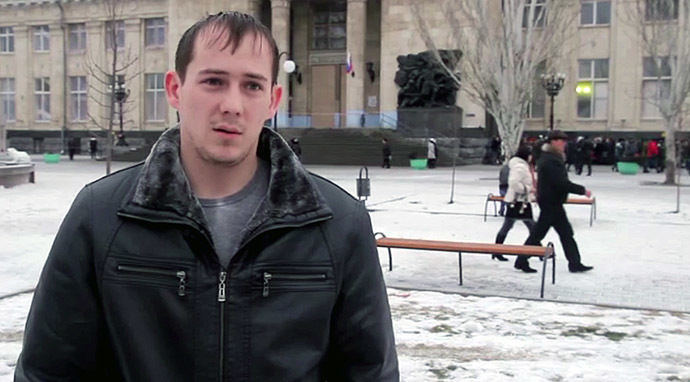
(387, 153)
(553, 188)
(294, 145)
(221, 258)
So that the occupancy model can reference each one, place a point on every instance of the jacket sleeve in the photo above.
(362, 342)
(62, 330)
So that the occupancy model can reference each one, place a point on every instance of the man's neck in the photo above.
(210, 181)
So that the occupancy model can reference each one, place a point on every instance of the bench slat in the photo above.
(496, 198)
(506, 249)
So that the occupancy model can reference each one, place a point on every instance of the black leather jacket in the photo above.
(132, 289)
(553, 185)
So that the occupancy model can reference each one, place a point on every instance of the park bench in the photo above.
(478, 248)
(581, 201)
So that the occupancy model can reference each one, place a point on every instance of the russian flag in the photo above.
(349, 67)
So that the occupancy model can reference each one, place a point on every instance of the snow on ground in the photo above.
(635, 245)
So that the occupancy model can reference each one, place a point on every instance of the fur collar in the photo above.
(547, 148)
(162, 185)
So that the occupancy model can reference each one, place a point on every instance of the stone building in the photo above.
(48, 49)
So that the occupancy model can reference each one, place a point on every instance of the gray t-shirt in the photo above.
(228, 217)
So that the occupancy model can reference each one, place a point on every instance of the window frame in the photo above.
(8, 98)
(40, 38)
(593, 80)
(157, 93)
(120, 28)
(595, 13)
(42, 98)
(539, 6)
(7, 35)
(657, 79)
(79, 35)
(660, 17)
(157, 30)
(76, 97)
(329, 9)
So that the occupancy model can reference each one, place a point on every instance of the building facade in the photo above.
(51, 52)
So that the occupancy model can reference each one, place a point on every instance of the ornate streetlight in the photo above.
(289, 67)
(553, 83)
(120, 93)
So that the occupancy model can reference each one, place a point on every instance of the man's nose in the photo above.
(232, 100)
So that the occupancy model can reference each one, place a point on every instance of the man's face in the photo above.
(224, 100)
(559, 144)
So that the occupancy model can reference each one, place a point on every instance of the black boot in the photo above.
(498, 257)
(524, 266)
(579, 268)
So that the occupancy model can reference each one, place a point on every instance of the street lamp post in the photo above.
(552, 83)
(121, 93)
(289, 67)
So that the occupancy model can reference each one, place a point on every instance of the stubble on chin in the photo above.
(218, 160)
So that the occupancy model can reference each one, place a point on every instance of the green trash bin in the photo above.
(628, 168)
(419, 164)
(51, 158)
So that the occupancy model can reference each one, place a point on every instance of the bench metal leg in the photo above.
(460, 266)
(543, 276)
(390, 260)
(486, 204)
(553, 264)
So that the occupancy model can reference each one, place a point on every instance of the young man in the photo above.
(221, 257)
(553, 187)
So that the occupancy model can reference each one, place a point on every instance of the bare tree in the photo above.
(663, 27)
(117, 69)
(503, 44)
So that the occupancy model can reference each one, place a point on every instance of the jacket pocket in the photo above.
(275, 279)
(167, 275)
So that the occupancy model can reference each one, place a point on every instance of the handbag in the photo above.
(519, 210)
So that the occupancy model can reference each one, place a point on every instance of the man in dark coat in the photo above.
(553, 188)
(387, 153)
(221, 258)
(296, 148)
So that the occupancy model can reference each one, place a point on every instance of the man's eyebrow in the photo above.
(214, 71)
(256, 76)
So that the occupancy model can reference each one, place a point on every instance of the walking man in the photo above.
(553, 187)
(387, 153)
(431, 153)
(220, 258)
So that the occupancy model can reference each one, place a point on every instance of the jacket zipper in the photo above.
(290, 277)
(221, 300)
(181, 275)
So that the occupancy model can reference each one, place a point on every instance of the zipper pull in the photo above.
(180, 289)
(267, 279)
(221, 287)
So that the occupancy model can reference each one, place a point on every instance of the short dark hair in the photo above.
(231, 24)
(524, 151)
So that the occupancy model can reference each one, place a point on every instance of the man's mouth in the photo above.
(227, 130)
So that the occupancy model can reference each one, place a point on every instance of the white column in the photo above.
(356, 42)
(280, 27)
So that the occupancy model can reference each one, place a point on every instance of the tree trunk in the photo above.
(510, 128)
(670, 143)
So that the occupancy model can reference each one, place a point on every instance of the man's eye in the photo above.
(254, 86)
(213, 81)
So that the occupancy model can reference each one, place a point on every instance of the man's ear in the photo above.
(172, 88)
(276, 96)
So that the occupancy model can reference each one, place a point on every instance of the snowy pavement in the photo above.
(635, 245)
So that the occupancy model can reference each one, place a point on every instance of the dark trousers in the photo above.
(581, 162)
(502, 190)
(431, 163)
(508, 224)
(386, 162)
(554, 216)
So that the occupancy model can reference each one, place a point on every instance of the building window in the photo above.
(7, 102)
(155, 32)
(118, 33)
(78, 100)
(656, 10)
(42, 93)
(538, 16)
(535, 108)
(77, 37)
(156, 104)
(330, 27)
(656, 85)
(593, 89)
(6, 39)
(595, 13)
(41, 38)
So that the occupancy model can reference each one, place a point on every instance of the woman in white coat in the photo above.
(521, 188)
